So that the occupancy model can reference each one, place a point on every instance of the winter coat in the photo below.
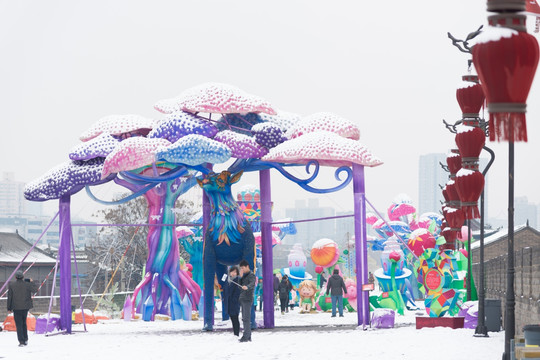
(250, 281)
(284, 288)
(336, 285)
(20, 295)
(276, 284)
(233, 302)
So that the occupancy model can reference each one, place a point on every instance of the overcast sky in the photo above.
(387, 65)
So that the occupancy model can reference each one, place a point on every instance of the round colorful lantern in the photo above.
(506, 57)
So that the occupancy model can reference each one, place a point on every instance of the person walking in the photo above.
(276, 287)
(248, 282)
(233, 303)
(284, 290)
(336, 286)
(19, 301)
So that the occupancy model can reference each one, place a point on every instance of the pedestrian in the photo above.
(233, 303)
(19, 301)
(247, 282)
(276, 287)
(336, 286)
(284, 289)
(323, 279)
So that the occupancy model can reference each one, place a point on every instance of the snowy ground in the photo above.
(296, 336)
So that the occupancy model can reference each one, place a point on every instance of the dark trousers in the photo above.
(283, 302)
(20, 323)
(235, 324)
(246, 318)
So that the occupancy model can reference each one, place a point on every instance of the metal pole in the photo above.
(469, 262)
(360, 240)
(481, 329)
(267, 258)
(64, 253)
(509, 319)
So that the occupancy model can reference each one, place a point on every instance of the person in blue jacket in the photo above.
(233, 303)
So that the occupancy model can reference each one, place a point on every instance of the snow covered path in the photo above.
(323, 338)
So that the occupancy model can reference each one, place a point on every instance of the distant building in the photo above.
(12, 201)
(309, 232)
(430, 176)
(26, 217)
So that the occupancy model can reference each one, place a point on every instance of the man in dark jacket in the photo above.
(336, 287)
(19, 301)
(247, 282)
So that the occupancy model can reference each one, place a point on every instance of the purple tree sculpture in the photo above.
(60, 183)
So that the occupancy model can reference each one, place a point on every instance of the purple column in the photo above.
(205, 222)
(360, 237)
(64, 255)
(267, 259)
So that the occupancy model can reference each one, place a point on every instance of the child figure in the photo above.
(307, 290)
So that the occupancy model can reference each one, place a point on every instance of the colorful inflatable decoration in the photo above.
(352, 293)
(297, 261)
(398, 282)
(325, 253)
(307, 291)
(436, 274)
(420, 240)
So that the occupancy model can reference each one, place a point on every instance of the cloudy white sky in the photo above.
(386, 65)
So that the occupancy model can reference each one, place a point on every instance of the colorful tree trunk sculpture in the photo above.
(164, 280)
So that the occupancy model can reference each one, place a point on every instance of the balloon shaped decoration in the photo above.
(325, 252)
(420, 240)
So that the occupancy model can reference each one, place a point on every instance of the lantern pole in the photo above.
(481, 329)
(509, 318)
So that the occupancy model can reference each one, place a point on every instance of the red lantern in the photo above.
(453, 197)
(470, 97)
(469, 185)
(455, 218)
(506, 60)
(470, 141)
(450, 237)
(453, 161)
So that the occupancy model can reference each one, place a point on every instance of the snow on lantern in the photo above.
(506, 57)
